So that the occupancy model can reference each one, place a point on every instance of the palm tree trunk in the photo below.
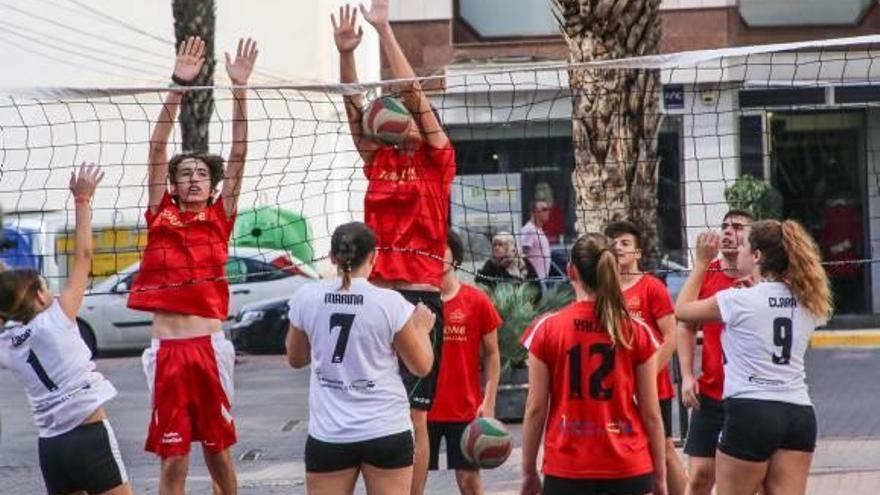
(615, 115)
(196, 18)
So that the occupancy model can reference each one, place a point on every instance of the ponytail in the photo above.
(350, 245)
(610, 307)
(789, 254)
(805, 275)
(597, 267)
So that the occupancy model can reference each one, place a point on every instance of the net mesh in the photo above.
(783, 130)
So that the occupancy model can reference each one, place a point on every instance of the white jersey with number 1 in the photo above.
(356, 393)
(48, 356)
(765, 338)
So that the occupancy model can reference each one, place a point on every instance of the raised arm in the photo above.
(239, 71)
(413, 96)
(189, 61)
(347, 36)
(688, 307)
(82, 186)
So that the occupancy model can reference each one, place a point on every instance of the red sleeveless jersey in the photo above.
(649, 301)
(711, 379)
(593, 430)
(407, 206)
(183, 269)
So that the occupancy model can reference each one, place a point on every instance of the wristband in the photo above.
(180, 82)
(82, 198)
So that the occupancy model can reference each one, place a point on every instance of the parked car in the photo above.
(106, 323)
(261, 327)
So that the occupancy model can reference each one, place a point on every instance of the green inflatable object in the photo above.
(274, 228)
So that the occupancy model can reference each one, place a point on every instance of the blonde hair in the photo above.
(597, 267)
(790, 253)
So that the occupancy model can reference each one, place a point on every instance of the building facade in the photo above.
(803, 119)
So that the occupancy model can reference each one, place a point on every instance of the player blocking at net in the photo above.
(182, 281)
(42, 347)
(769, 431)
(407, 200)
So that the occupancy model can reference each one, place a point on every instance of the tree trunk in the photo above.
(196, 18)
(615, 115)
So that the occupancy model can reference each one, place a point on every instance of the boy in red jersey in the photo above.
(704, 395)
(586, 363)
(407, 201)
(182, 281)
(471, 322)
(648, 300)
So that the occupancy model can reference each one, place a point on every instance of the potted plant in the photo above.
(755, 196)
(516, 305)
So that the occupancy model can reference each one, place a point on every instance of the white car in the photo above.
(106, 323)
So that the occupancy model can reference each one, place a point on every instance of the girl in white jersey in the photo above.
(769, 431)
(42, 347)
(352, 333)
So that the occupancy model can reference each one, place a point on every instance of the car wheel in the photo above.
(88, 336)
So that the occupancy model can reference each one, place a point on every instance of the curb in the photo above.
(845, 338)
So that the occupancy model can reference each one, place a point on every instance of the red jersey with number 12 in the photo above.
(407, 206)
(649, 301)
(712, 377)
(467, 317)
(594, 429)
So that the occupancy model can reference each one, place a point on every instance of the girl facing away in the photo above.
(353, 332)
(586, 364)
(42, 347)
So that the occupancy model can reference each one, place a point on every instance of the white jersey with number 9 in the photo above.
(765, 338)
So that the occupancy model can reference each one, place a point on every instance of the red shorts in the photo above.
(191, 385)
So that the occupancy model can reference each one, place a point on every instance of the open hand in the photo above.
(377, 16)
(346, 33)
(190, 58)
(240, 68)
(84, 183)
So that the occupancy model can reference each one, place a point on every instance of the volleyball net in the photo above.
(787, 130)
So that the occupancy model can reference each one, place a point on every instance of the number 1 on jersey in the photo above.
(41, 372)
(342, 321)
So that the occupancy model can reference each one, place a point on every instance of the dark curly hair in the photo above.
(215, 163)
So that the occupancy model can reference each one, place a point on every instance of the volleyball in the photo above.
(387, 119)
(485, 443)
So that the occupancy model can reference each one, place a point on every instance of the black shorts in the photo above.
(452, 433)
(666, 414)
(636, 485)
(704, 429)
(388, 452)
(421, 390)
(755, 429)
(84, 459)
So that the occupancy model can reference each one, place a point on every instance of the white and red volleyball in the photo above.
(387, 119)
(486, 443)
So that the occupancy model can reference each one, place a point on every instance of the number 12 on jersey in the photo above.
(605, 352)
